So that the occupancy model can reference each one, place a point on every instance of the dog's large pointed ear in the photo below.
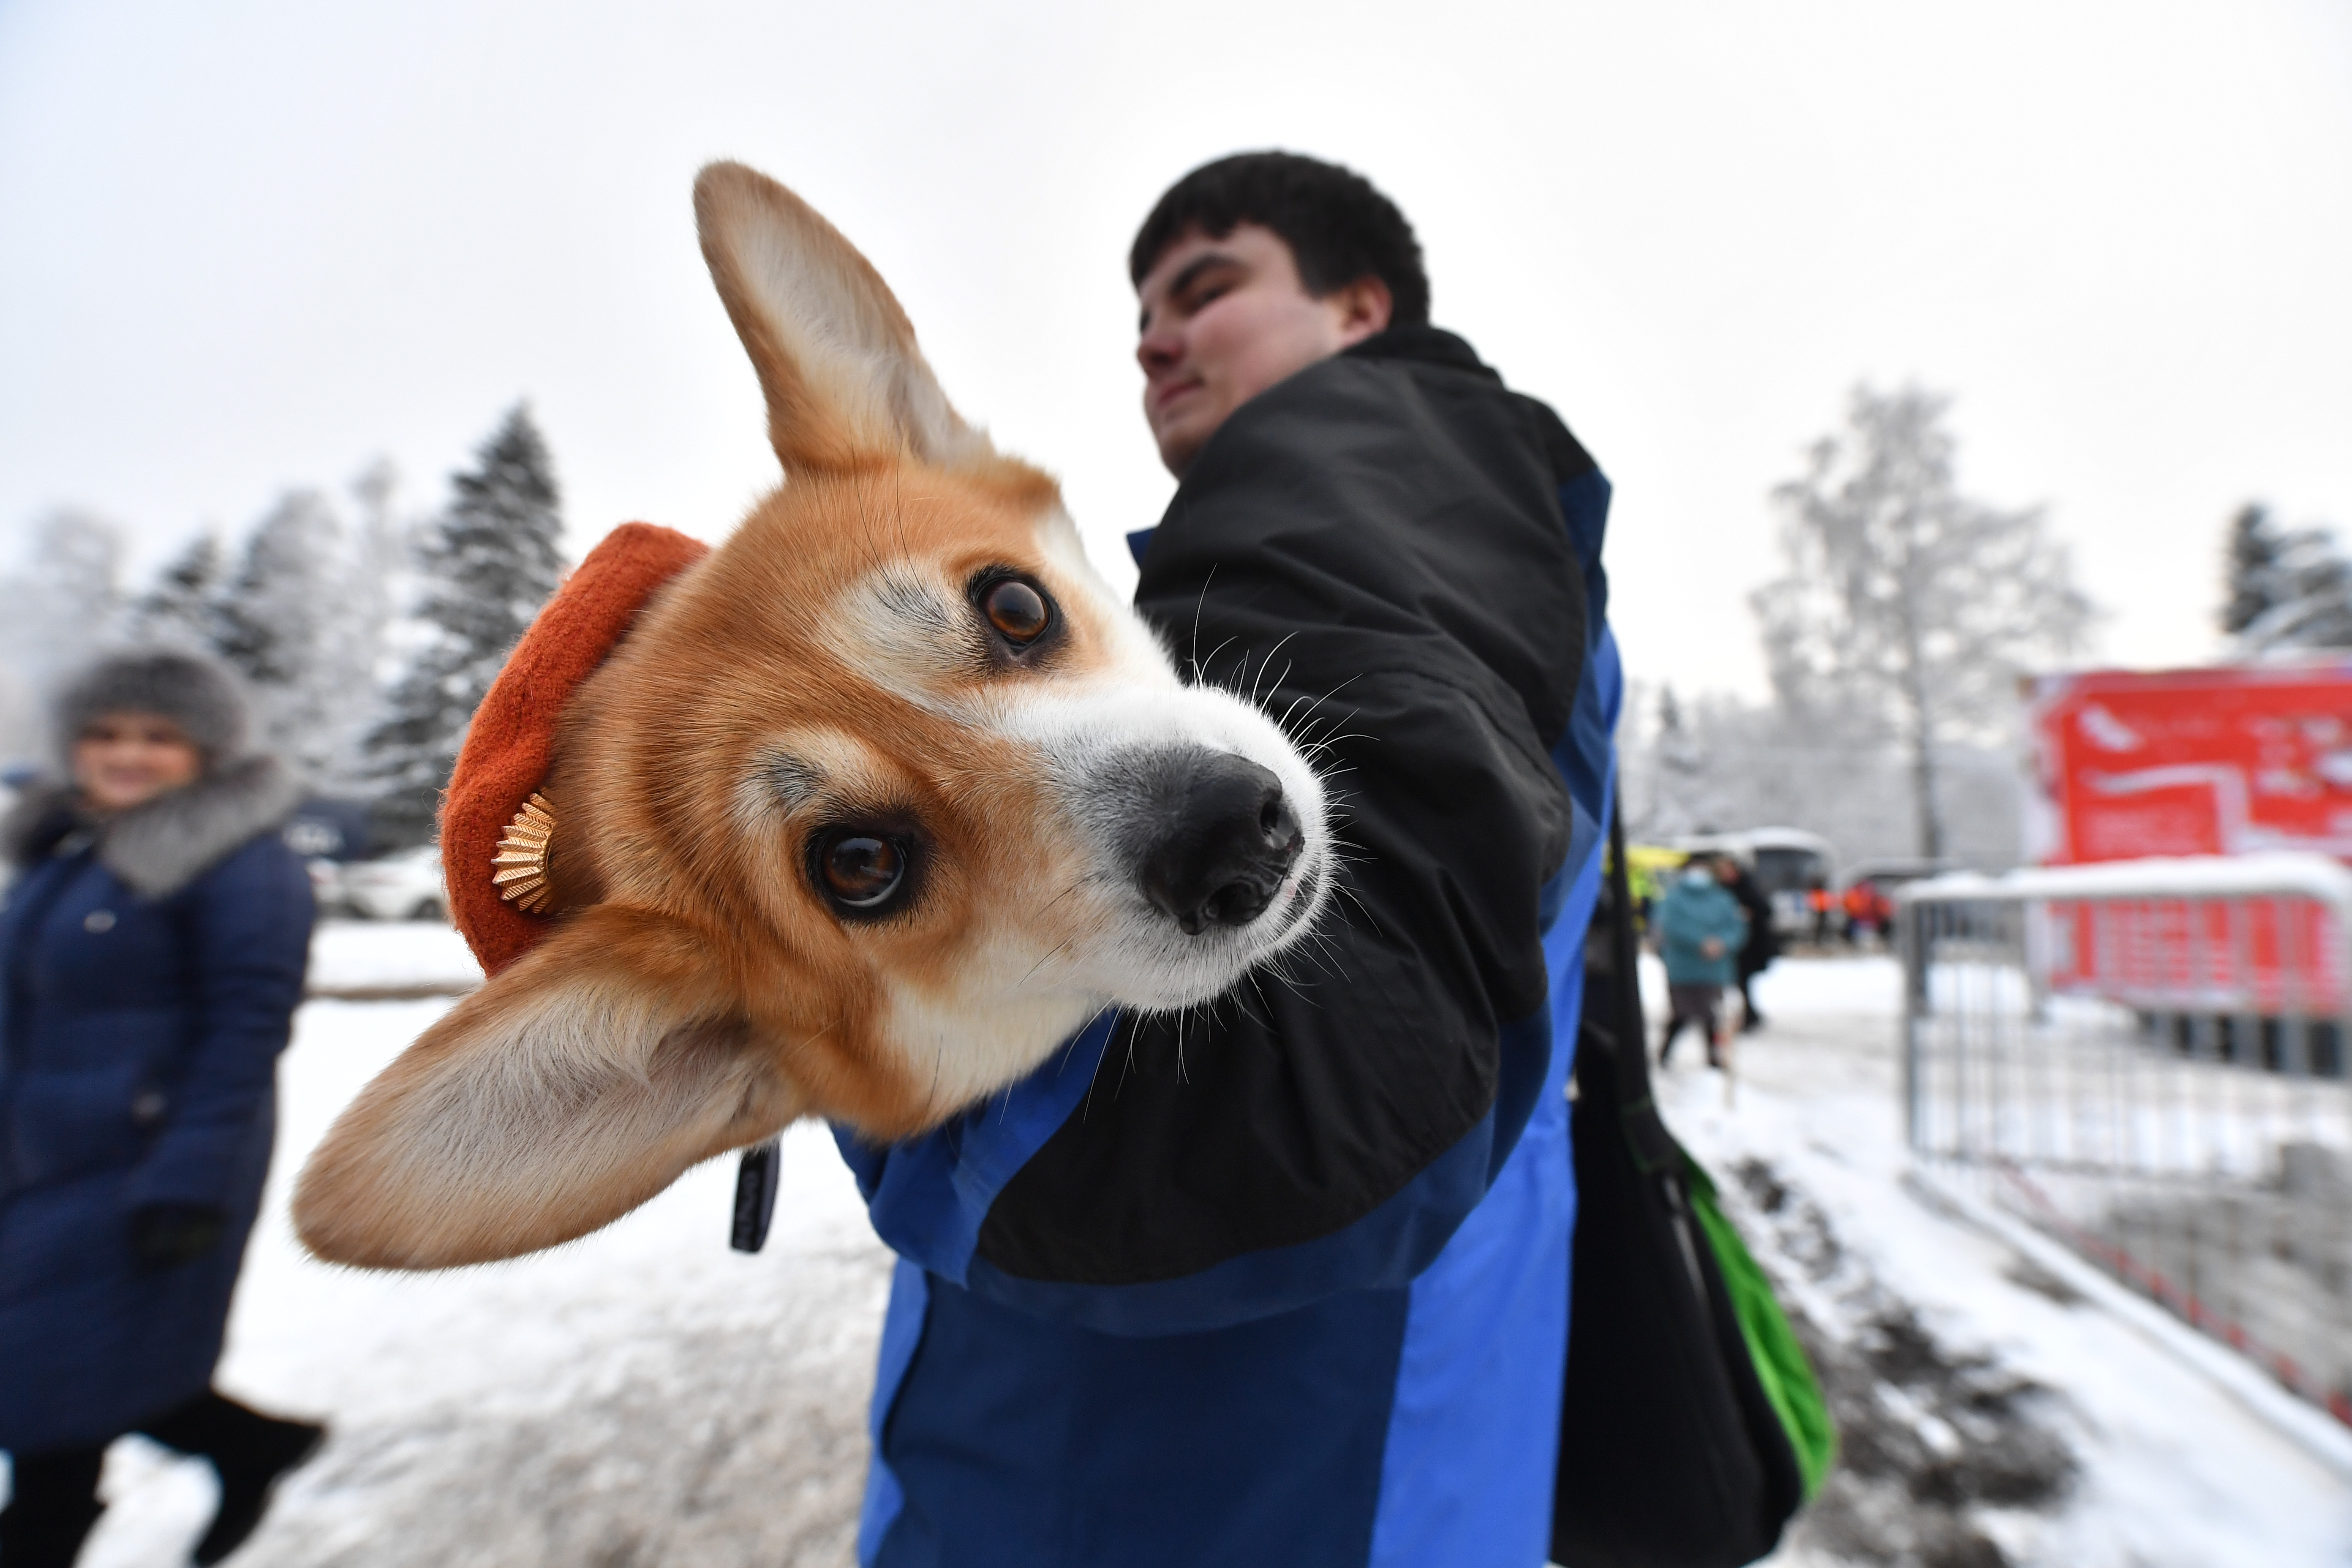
(836, 354)
(576, 1084)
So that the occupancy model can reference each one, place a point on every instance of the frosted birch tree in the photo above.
(1907, 608)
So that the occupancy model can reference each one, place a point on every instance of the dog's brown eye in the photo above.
(862, 871)
(1017, 610)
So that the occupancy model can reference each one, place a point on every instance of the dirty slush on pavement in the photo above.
(1934, 1443)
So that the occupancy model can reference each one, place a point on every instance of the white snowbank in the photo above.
(391, 955)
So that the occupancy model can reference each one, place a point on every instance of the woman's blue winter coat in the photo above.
(1692, 914)
(137, 1050)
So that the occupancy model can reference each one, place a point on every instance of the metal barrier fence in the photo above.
(2148, 1061)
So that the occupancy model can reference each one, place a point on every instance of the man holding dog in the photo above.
(1290, 1285)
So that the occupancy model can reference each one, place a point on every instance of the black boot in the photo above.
(248, 1486)
(252, 1453)
(53, 1507)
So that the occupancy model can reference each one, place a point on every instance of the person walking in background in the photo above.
(1763, 943)
(1700, 929)
(154, 943)
(1867, 912)
(1824, 905)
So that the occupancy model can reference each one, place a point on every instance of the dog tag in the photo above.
(755, 1196)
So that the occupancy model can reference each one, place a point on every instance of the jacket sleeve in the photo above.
(1307, 1099)
(1328, 1124)
(248, 925)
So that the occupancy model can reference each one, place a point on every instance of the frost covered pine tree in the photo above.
(2284, 589)
(66, 600)
(1677, 766)
(1907, 608)
(2250, 577)
(274, 620)
(370, 575)
(57, 611)
(378, 564)
(487, 563)
(183, 610)
(302, 617)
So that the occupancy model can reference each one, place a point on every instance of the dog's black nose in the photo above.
(1226, 842)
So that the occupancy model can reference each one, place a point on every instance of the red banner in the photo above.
(2192, 761)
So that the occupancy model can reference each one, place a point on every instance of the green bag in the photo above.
(1781, 1364)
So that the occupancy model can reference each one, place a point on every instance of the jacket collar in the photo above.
(160, 848)
(1428, 345)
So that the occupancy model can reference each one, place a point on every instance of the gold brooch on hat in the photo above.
(519, 869)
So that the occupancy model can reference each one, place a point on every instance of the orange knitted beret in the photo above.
(511, 742)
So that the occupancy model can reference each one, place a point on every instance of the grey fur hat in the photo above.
(192, 691)
(161, 846)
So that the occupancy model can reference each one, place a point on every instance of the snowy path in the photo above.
(647, 1397)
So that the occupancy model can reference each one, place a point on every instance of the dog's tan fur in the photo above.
(696, 994)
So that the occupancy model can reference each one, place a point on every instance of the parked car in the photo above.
(324, 827)
(1868, 903)
(327, 885)
(406, 886)
(329, 834)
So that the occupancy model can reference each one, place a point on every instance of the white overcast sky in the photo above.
(250, 246)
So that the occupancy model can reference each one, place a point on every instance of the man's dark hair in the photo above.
(1338, 225)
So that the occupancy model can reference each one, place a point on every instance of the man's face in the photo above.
(1226, 319)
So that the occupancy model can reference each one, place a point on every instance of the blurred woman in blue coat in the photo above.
(155, 941)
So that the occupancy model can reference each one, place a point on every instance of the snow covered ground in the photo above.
(379, 960)
(647, 1396)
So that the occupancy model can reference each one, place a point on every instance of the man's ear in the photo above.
(836, 354)
(1366, 309)
(575, 1086)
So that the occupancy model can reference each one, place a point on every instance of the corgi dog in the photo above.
(875, 806)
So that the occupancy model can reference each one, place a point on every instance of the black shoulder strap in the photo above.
(1670, 1453)
(1623, 1034)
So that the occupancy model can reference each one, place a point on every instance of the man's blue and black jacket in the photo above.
(1285, 1281)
